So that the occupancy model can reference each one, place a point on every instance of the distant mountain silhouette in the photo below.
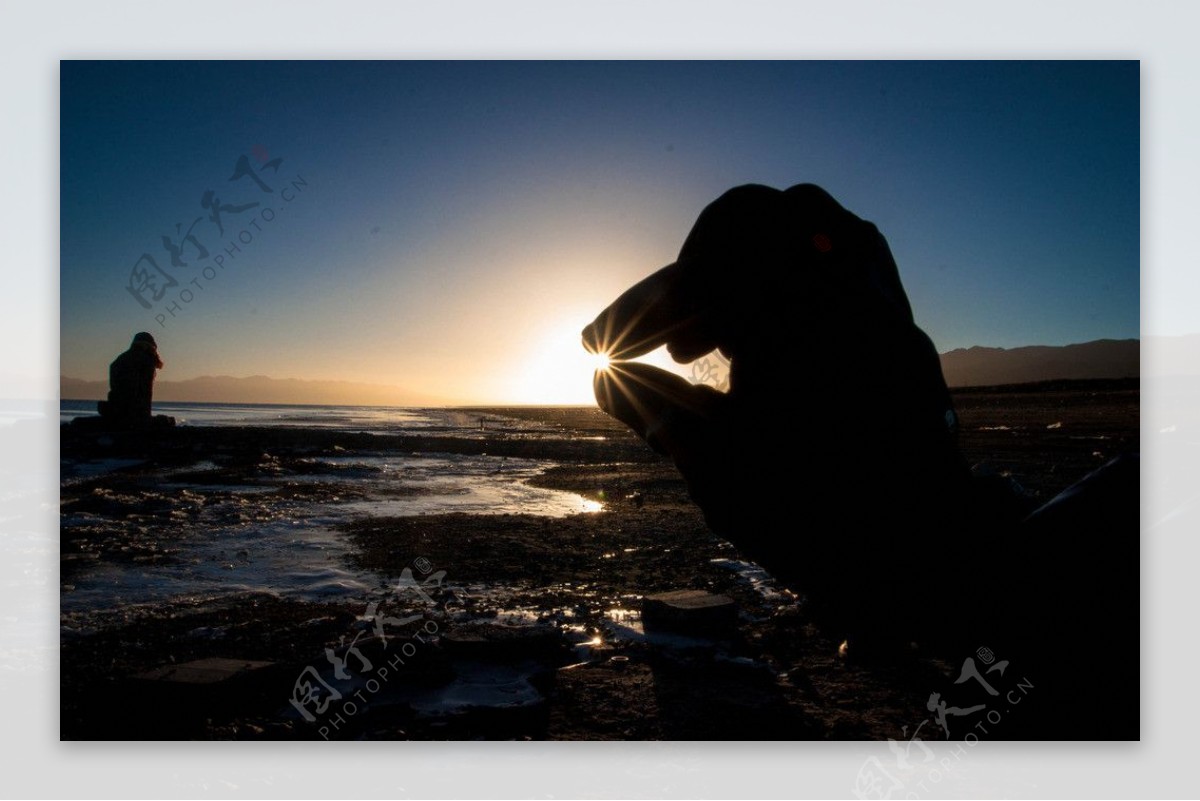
(262, 389)
(969, 367)
(1103, 358)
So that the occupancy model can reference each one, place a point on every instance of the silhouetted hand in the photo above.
(837, 431)
(832, 460)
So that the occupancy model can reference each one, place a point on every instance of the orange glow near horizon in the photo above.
(556, 369)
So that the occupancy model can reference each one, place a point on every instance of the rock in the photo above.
(692, 612)
(204, 671)
(173, 701)
(497, 641)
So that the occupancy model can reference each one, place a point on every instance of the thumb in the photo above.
(675, 417)
(691, 424)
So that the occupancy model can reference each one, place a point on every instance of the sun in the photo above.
(555, 368)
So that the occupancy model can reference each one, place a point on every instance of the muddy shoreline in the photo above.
(519, 617)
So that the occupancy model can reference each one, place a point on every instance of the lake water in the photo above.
(374, 419)
(201, 531)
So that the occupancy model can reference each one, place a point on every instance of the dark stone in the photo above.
(204, 671)
(173, 701)
(692, 612)
(497, 641)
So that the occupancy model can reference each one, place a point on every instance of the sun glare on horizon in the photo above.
(557, 369)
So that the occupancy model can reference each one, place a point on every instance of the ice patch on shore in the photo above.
(760, 580)
(273, 526)
(284, 558)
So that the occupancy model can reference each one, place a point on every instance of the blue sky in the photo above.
(452, 225)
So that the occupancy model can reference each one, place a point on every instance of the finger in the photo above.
(846, 255)
(659, 309)
(688, 423)
(680, 305)
(676, 418)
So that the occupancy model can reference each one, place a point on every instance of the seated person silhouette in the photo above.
(833, 461)
(131, 383)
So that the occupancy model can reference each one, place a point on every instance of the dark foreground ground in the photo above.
(523, 627)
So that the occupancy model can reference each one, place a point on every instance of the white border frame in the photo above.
(1161, 34)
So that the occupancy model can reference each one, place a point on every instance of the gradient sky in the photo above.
(462, 221)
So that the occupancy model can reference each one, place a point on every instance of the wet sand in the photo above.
(521, 629)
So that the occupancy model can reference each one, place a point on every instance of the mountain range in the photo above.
(1102, 358)
(965, 367)
(262, 389)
